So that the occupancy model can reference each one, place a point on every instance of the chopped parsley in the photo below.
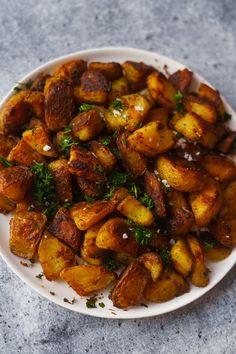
(227, 116)
(208, 245)
(101, 304)
(116, 179)
(111, 264)
(147, 201)
(142, 198)
(67, 129)
(141, 234)
(135, 190)
(116, 152)
(84, 107)
(106, 141)
(91, 302)
(67, 205)
(118, 105)
(179, 102)
(166, 257)
(88, 199)
(65, 144)
(6, 163)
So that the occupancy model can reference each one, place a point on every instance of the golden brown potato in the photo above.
(36, 102)
(103, 154)
(220, 167)
(158, 115)
(59, 103)
(71, 71)
(26, 229)
(87, 215)
(152, 139)
(181, 257)
(23, 154)
(214, 97)
(83, 163)
(87, 124)
(136, 74)
(36, 122)
(229, 197)
(153, 263)
(39, 140)
(115, 235)
(169, 285)
(206, 203)
(89, 188)
(133, 161)
(62, 180)
(39, 82)
(89, 247)
(224, 230)
(217, 252)
(15, 114)
(64, 228)
(93, 88)
(86, 279)
(161, 89)
(6, 144)
(181, 80)
(130, 286)
(199, 275)
(183, 175)
(112, 71)
(96, 261)
(54, 256)
(152, 187)
(119, 88)
(127, 112)
(225, 145)
(200, 106)
(120, 194)
(134, 210)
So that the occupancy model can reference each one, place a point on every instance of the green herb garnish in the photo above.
(67, 129)
(166, 257)
(208, 245)
(227, 116)
(39, 276)
(135, 190)
(65, 144)
(142, 235)
(116, 179)
(84, 107)
(110, 263)
(67, 205)
(88, 199)
(6, 163)
(116, 152)
(106, 141)
(147, 201)
(91, 302)
(101, 304)
(179, 102)
(118, 105)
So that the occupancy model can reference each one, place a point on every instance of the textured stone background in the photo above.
(201, 34)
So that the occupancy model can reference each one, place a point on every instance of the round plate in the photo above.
(58, 291)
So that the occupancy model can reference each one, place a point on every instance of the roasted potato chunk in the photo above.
(152, 187)
(152, 139)
(183, 175)
(64, 228)
(169, 285)
(153, 263)
(26, 229)
(6, 144)
(119, 88)
(82, 163)
(134, 210)
(181, 257)
(115, 235)
(23, 154)
(112, 71)
(158, 115)
(136, 74)
(199, 275)
(89, 247)
(96, 261)
(39, 140)
(59, 103)
(71, 71)
(224, 230)
(220, 167)
(36, 102)
(217, 253)
(214, 97)
(225, 145)
(120, 194)
(89, 188)
(161, 89)
(103, 154)
(130, 286)
(200, 106)
(62, 180)
(87, 124)
(229, 197)
(93, 87)
(181, 80)
(87, 215)
(206, 203)
(54, 256)
(39, 82)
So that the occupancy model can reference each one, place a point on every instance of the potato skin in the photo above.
(224, 230)
(86, 279)
(71, 71)
(159, 114)
(26, 229)
(153, 189)
(161, 89)
(182, 175)
(134, 210)
(130, 286)
(89, 248)
(181, 80)
(111, 236)
(87, 124)
(112, 71)
(119, 88)
(93, 87)
(36, 102)
(64, 228)
(225, 144)
(62, 180)
(153, 263)
(136, 74)
(103, 154)
(219, 167)
(23, 154)
(214, 97)
(200, 106)
(39, 82)
(181, 257)
(38, 138)
(180, 221)
(6, 144)
(199, 276)
(89, 188)
(54, 256)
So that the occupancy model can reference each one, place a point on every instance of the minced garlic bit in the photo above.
(124, 236)
(46, 148)
(164, 181)
(188, 156)
(181, 143)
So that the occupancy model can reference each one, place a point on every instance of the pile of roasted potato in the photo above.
(118, 169)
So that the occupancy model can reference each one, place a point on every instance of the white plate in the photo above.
(61, 289)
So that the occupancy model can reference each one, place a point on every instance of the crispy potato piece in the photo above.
(224, 230)
(148, 96)
(158, 115)
(166, 287)
(133, 161)
(152, 187)
(152, 139)
(219, 167)
(159, 241)
(26, 229)
(64, 228)
(6, 144)
(59, 103)
(87, 215)
(89, 188)
(153, 263)
(39, 82)
(39, 140)
(71, 71)
(96, 261)
(62, 179)
(36, 102)
(130, 286)
(115, 235)
(87, 124)
(194, 128)
(206, 203)
(112, 71)
(161, 89)
(181, 257)
(199, 275)
(36, 122)
(214, 97)
(200, 106)
(23, 154)
(54, 256)
(181, 80)
(93, 87)
(225, 145)
(14, 114)
(134, 210)
(119, 88)
(183, 175)
(89, 247)
(120, 194)
(127, 112)
(83, 163)
(103, 154)
(136, 74)
(217, 252)
(86, 279)
(229, 197)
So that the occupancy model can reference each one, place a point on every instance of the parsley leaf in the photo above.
(208, 245)
(65, 144)
(6, 163)
(135, 190)
(142, 235)
(84, 107)
(179, 104)
(91, 302)
(166, 257)
(101, 304)
(67, 205)
(106, 141)
(118, 105)
(110, 263)
(88, 199)
(116, 179)
(67, 129)
(147, 201)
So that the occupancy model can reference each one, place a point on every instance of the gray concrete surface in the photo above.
(201, 34)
